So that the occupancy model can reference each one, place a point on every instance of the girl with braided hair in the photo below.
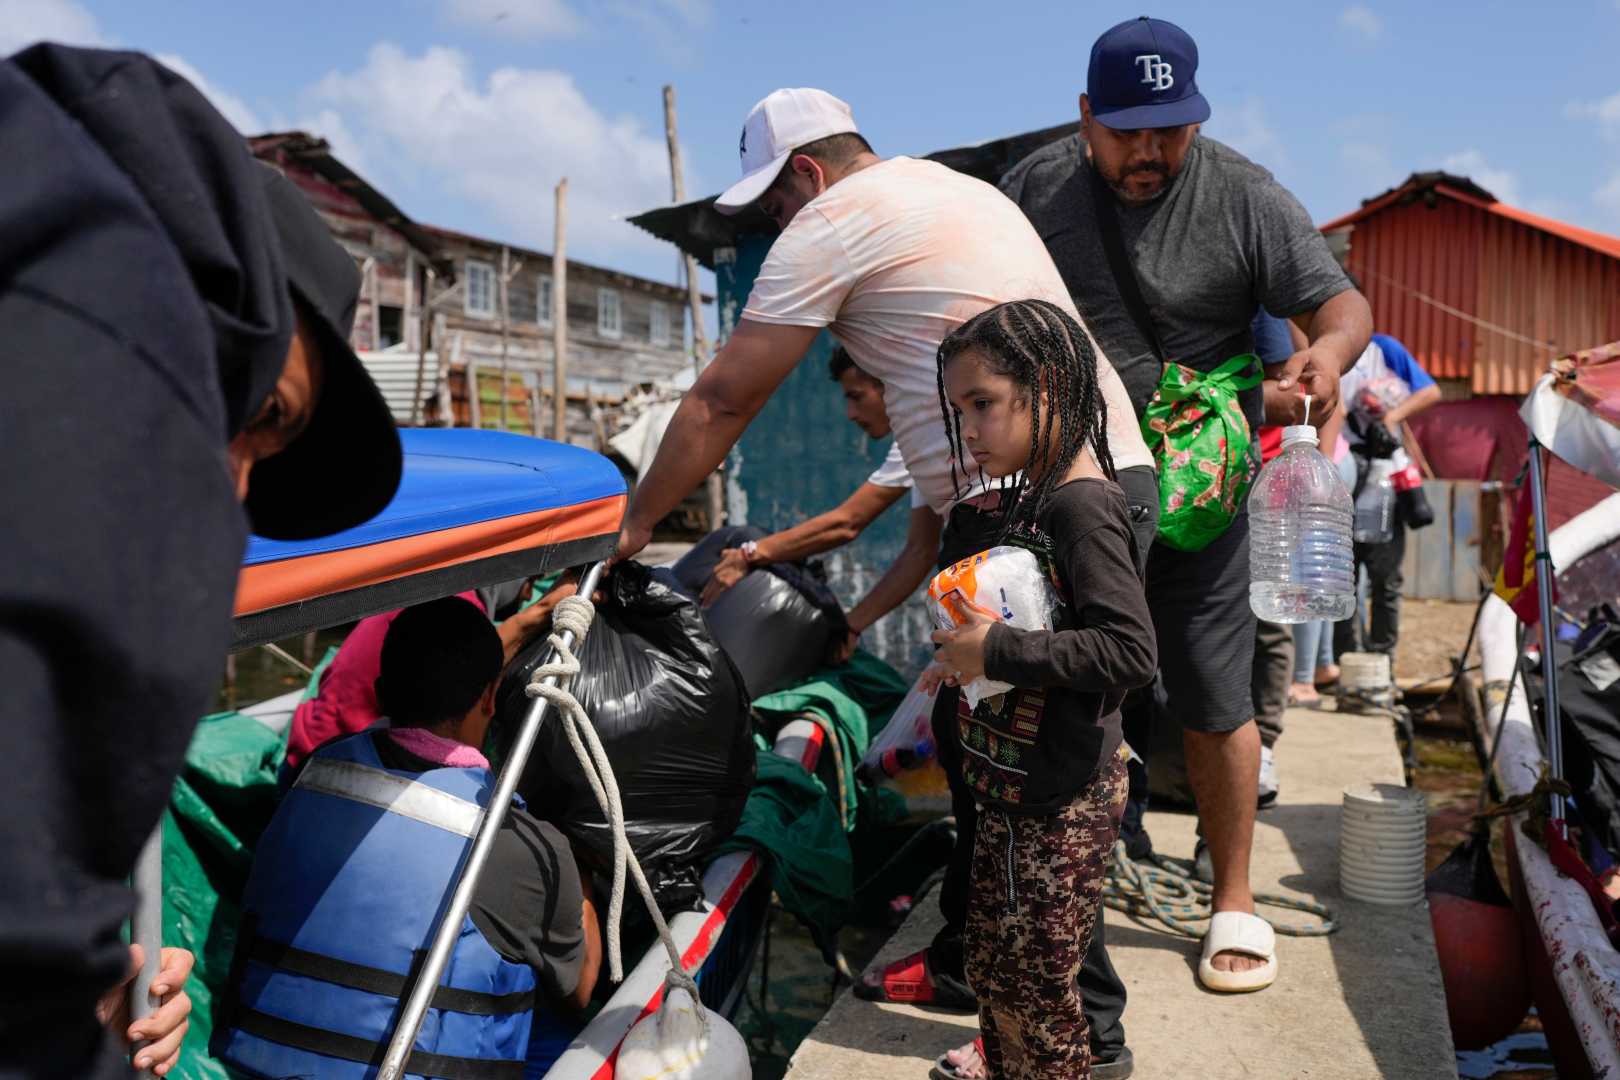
(1019, 392)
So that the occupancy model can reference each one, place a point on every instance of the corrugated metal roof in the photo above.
(394, 372)
(1478, 290)
(1464, 190)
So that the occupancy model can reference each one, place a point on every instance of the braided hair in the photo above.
(1038, 346)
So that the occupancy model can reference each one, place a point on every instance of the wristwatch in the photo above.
(750, 551)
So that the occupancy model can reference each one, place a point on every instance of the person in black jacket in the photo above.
(173, 325)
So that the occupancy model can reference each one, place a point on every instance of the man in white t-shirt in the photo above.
(890, 255)
(863, 404)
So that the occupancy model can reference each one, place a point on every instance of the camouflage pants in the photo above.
(1035, 896)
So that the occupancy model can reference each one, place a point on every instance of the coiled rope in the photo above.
(1163, 890)
(574, 615)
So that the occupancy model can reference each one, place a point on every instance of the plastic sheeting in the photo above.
(1578, 435)
(673, 716)
(219, 807)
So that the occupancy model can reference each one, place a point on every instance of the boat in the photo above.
(1575, 968)
(476, 508)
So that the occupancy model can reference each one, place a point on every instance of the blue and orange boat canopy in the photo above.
(473, 508)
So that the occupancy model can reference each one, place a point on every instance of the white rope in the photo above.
(574, 615)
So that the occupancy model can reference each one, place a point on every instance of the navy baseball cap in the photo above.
(1143, 75)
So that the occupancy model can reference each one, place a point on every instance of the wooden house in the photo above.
(450, 342)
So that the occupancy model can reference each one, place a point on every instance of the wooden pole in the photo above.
(424, 313)
(506, 272)
(376, 305)
(559, 317)
(694, 296)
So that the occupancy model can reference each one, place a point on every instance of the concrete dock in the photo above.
(1364, 1002)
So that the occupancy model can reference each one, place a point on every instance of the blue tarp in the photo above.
(459, 476)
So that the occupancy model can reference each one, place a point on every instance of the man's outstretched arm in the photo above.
(711, 418)
(822, 533)
(912, 567)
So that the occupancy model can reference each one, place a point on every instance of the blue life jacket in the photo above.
(347, 884)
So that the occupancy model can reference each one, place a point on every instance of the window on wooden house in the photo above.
(609, 316)
(543, 301)
(390, 326)
(658, 327)
(480, 293)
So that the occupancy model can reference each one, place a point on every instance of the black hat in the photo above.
(345, 466)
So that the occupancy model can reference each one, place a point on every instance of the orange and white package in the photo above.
(1004, 583)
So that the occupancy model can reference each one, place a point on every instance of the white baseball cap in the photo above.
(777, 126)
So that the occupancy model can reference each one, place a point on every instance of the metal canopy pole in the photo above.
(449, 928)
(1549, 664)
(146, 925)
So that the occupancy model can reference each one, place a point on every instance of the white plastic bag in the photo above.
(907, 733)
(1006, 583)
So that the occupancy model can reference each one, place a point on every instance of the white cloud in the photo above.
(517, 18)
(1243, 127)
(23, 22)
(1362, 22)
(504, 143)
(1499, 182)
(1370, 164)
(233, 108)
(1607, 198)
(1606, 112)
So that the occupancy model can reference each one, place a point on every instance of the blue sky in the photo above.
(467, 111)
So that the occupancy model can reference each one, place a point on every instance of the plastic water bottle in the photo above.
(1404, 475)
(1300, 562)
(1375, 506)
(896, 760)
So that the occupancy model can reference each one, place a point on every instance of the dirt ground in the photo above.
(1432, 632)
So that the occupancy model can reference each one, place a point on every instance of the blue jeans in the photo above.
(1313, 648)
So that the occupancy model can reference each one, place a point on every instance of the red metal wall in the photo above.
(1529, 282)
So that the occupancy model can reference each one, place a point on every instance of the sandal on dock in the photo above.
(944, 1070)
(910, 981)
(1245, 934)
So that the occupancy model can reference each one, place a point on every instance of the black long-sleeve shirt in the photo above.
(1034, 748)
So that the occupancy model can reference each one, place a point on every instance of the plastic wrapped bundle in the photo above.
(776, 623)
(1004, 583)
(673, 716)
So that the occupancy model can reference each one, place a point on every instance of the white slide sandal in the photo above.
(1238, 932)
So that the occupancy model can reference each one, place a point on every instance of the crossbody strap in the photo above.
(1125, 280)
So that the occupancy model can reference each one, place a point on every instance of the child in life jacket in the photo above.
(1018, 389)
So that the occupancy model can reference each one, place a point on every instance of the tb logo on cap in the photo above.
(1155, 71)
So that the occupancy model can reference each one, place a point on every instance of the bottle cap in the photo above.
(1299, 433)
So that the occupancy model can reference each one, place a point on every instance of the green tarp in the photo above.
(219, 806)
(226, 794)
(791, 818)
(856, 699)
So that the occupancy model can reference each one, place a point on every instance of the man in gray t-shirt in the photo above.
(1211, 238)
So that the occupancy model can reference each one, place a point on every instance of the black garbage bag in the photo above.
(673, 717)
(777, 623)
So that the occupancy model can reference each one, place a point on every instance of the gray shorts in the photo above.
(1199, 601)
